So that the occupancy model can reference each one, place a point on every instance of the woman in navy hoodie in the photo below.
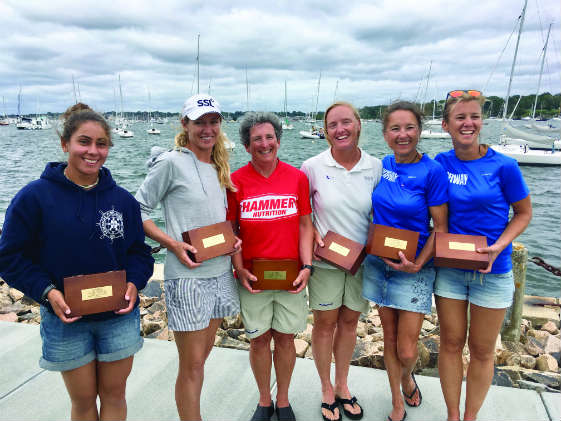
(75, 220)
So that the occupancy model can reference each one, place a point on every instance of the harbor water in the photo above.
(25, 152)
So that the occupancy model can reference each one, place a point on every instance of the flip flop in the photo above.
(404, 415)
(351, 402)
(406, 396)
(331, 407)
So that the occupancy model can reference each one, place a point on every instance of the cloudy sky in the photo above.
(368, 52)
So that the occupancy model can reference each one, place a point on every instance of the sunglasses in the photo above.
(459, 92)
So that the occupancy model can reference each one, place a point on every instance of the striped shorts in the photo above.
(192, 302)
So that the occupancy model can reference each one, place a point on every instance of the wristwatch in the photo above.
(308, 267)
(46, 291)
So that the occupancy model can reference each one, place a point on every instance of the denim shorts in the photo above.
(392, 288)
(73, 345)
(490, 290)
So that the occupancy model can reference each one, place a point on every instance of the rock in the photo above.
(221, 332)
(546, 362)
(309, 353)
(227, 342)
(158, 306)
(150, 324)
(432, 344)
(427, 326)
(235, 333)
(377, 360)
(8, 317)
(301, 347)
(163, 334)
(232, 322)
(423, 358)
(310, 318)
(550, 327)
(306, 334)
(5, 301)
(527, 361)
(501, 379)
(363, 348)
(512, 371)
(524, 384)
(552, 345)
(503, 356)
(513, 347)
(533, 347)
(153, 289)
(29, 316)
(146, 302)
(540, 335)
(361, 330)
(15, 294)
(26, 301)
(15, 308)
(513, 359)
(549, 379)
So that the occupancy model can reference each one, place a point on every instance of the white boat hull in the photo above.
(429, 134)
(308, 135)
(528, 156)
(153, 131)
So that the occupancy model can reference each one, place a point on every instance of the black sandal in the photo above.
(331, 407)
(351, 402)
(406, 396)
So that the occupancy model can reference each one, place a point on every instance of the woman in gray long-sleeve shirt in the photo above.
(190, 182)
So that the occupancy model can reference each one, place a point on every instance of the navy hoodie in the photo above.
(54, 229)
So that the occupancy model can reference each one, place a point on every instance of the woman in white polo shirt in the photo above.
(342, 179)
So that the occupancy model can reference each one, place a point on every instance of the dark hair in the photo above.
(403, 106)
(78, 114)
(251, 119)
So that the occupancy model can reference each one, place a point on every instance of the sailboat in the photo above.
(520, 148)
(122, 130)
(4, 121)
(286, 124)
(313, 132)
(151, 130)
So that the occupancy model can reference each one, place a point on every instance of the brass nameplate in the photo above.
(277, 275)
(455, 245)
(339, 249)
(213, 241)
(395, 243)
(95, 293)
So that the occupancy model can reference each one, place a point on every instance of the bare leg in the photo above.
(193, 349)
(452, 316)
(485, 324)
(322, 350)
(409, 328)
(261, 361)
(81, 384)
(112, 382)
(284, 358)
(343, 348)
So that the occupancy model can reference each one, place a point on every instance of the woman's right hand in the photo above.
(61, 309)
(318, 242)
(179, 248)
(246, 278)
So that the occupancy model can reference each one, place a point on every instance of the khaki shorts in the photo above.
(278, 310)
(331, 288)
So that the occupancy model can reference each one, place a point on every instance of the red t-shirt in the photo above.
(268, 211)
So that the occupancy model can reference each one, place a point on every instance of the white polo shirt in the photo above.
(342, 199)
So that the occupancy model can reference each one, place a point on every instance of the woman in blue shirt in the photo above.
(483, 185)
(412, 191)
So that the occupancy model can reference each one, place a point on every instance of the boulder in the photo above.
(501, 378)
(301, 347)
(306, 334)
(533, 347)
(147, 301)
(15, 294)
(427, 326)
(552, 345)
(552, 380)
(235, 333)
(232, 322)
(150, 324)
(550, 327)
(361, 329)
(546, 362)
(424, 356)
(153, 289)
(527, 361)
(227, 342)
(157, 306)
(8, 317)
(524, 384)
(432, 344)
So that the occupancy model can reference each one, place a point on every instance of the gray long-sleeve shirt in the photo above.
(191, 197)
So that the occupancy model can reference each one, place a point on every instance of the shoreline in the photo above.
(532, 363)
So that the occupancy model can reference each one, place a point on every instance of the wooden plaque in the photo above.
(341, 252)
(386, 241)
(278, 274)
(95, 293)
(458, 251)
(210, 241)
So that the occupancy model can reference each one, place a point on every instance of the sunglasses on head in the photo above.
(459, 92)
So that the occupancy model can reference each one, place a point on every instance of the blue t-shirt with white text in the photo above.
(481, 192)
(405, 193)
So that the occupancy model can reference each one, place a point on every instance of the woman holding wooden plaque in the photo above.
(483, 186)
(413, 190)
(271, 210)
(341, 181)
(76, 221)
(190, 182)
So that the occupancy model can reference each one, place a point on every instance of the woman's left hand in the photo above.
(130, 295)
(493, 252)
(301, 281)
(404, 265)
(237, 246)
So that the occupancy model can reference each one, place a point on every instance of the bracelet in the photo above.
(46, 291)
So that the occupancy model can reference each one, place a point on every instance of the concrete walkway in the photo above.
(29, 393)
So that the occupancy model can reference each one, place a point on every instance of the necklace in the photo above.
(84, 186)
(415, 159)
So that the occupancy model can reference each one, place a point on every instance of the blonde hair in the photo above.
(337, 104)
(464, 97)
(219, 156)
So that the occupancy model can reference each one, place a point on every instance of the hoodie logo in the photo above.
(111, 224)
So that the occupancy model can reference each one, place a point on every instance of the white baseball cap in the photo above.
(199, 105)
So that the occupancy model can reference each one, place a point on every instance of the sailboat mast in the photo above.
(285, 104)
(246, 91)
(426, 87)
(198, 86)
(514, 60)
(541, 71)
(317, 97)
(121, 95)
